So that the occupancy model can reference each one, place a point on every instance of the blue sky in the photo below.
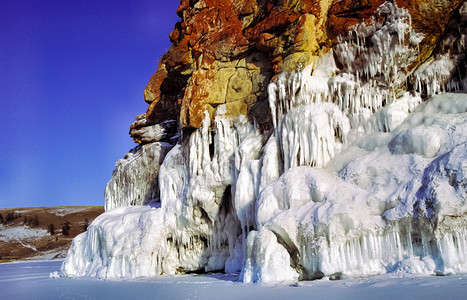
(72, 75)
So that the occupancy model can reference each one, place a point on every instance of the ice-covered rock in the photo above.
(385, 206)
(266, 260)
(135, 179)
(362, 173)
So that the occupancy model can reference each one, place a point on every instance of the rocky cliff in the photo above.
(294, 140)
(227, 52)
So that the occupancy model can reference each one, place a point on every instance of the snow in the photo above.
(21, 235)
(23, 280)
(359, 177)
(61, 212)
(8, 233)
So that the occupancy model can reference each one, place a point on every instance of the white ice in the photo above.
(135, 178)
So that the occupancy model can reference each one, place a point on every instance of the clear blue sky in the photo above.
(72, 76)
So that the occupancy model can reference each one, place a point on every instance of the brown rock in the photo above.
(344, 14)
(430, 17)
(227, 51)
(152, 92)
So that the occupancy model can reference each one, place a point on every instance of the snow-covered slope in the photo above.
(360, 176)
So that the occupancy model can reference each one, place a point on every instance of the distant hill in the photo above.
(42, 232)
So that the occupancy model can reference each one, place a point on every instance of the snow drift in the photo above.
(360, 176)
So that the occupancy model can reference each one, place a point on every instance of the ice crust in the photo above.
(358, 178)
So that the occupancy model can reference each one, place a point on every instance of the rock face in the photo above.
(226, 52)
(312, 138)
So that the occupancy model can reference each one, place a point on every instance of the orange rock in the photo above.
(225, 52)
(344, 14)
(152, 92)
(266, 42)
(184, 5)
(430, 17)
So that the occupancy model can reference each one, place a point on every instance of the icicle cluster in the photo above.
(319, 110)
(135, 179)
(446, 72)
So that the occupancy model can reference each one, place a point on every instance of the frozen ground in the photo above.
(31, 280)
(8, 233)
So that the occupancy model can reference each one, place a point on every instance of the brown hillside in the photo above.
(42, 232)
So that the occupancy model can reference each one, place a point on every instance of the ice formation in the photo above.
(359, 177)
(135, 178)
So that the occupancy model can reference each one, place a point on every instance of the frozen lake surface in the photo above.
(31, 280)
